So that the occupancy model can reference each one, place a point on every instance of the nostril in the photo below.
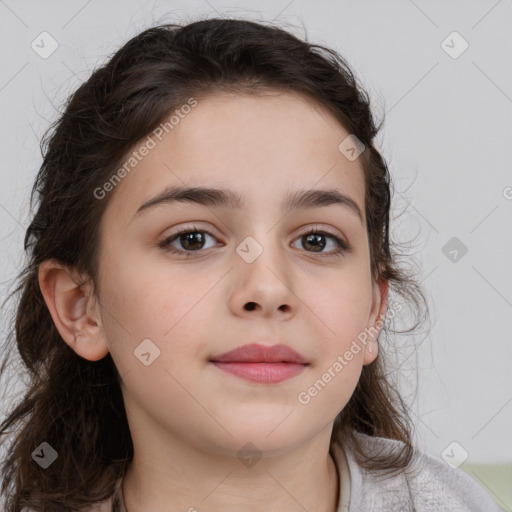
(250, 306)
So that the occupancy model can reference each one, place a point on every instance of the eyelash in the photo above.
(341, 246)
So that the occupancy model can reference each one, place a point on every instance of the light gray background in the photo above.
(447, 138)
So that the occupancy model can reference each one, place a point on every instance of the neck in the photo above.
(305, 478)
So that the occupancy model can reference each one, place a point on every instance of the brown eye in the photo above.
(314, 240)
(317, 241)
(189, 240)
(193, 240)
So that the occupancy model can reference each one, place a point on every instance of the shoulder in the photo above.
(428, 485)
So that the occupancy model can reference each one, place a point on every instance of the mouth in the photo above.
(262, 364)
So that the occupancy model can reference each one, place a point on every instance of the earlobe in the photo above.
(74, 310)
(371, 351)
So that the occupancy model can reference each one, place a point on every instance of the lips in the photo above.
(261, 364)
(256, 353)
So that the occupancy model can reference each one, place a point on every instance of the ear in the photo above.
(74, 309)
(376, 319)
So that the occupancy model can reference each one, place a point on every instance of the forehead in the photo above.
(261, 145)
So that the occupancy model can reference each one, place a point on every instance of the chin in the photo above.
(261, 437)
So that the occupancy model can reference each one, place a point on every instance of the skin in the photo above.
(187, 418)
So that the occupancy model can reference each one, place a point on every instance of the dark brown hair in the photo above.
(76, 405)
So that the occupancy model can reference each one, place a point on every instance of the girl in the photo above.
(243, 372)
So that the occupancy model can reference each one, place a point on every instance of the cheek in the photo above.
(343, 313)
(329, 390)
(340, 307)
(169, 309)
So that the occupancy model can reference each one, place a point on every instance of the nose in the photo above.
(263, 282)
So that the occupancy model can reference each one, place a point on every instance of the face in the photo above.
(245, 274)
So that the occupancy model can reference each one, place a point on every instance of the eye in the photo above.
(316, 239)
(190, 239)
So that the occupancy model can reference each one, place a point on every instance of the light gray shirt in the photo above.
(431, 485)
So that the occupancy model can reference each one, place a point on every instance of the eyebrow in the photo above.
(208, 196)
